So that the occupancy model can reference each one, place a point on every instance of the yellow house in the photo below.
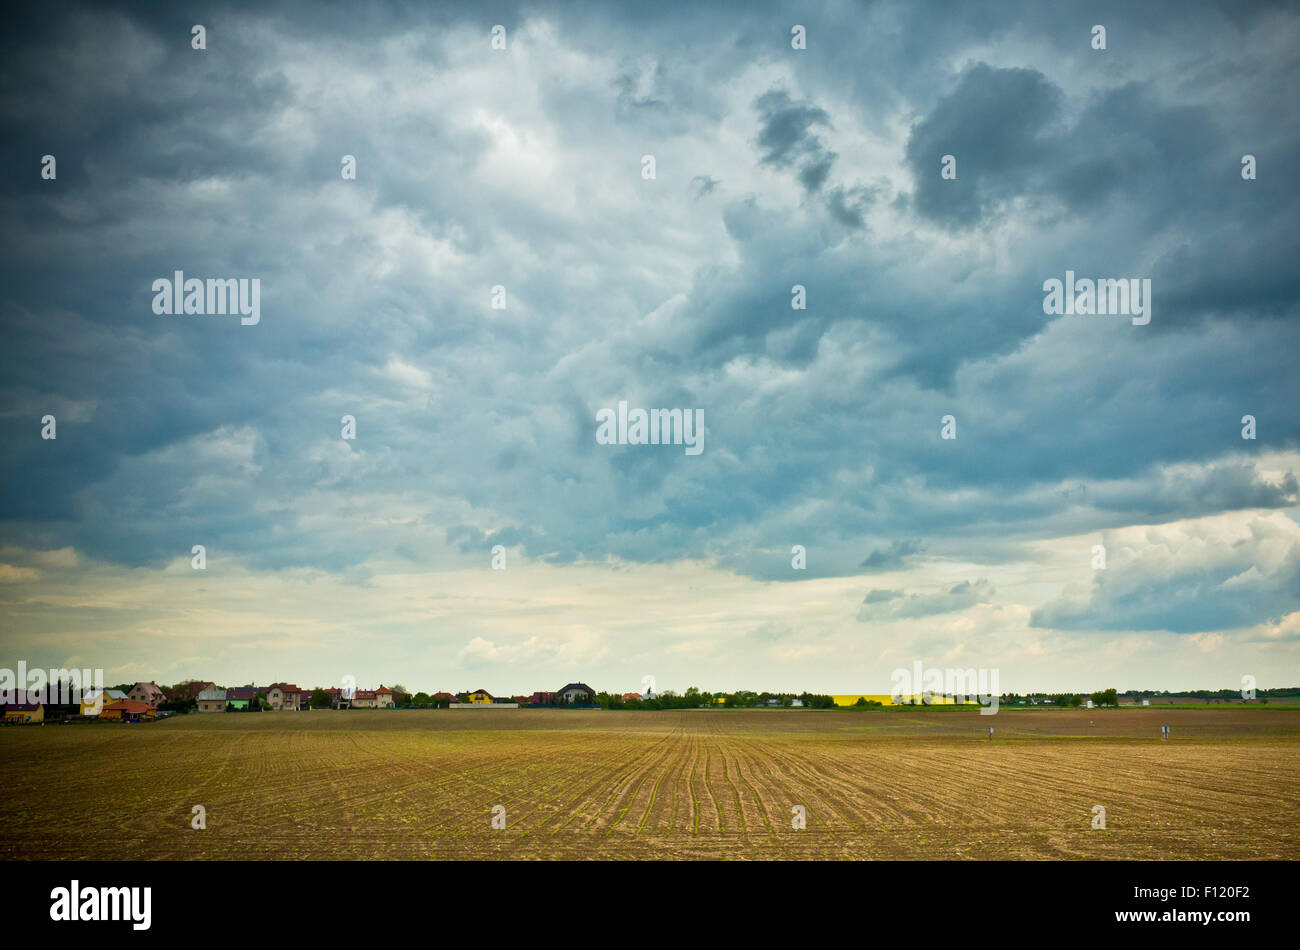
(93, 701)
(24, 712)
(478, 696)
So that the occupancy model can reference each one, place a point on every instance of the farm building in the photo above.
(148, 693)
(211, 700)
(25, 708)
(577, 694)
(93, 701)
(128, 710)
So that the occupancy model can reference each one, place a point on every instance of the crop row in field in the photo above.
(650, 785)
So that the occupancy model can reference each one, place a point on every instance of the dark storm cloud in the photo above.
(476, 427)
(787, 140)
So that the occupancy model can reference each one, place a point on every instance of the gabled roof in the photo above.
(240, 693)
(130, 706)
(565, 689)
(212, 695)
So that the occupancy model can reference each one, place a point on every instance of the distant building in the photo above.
(381, 698)
(128, 710)
(211, 701)
(543, 699)
(25, 708)
(148, 693)
(479, 696)
(284, 696)
(189, 690)
(94, 700)
(577, 694)
(628, 697)
(241, 698)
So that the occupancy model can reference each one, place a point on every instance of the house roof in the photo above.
(130, 706)
(570, 686)
(24, 701)
(240, 693)
(212, 695)
(285, 687)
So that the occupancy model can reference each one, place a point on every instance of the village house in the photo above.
(542, 699)
(479, 696)
(26, 708)
(628, 697)
(381, 698)
(94, 700)
(577, 694)
(240, 698)
(283, 696)
(188, 691)
(212, 701)
(128, 710)
(148, 693)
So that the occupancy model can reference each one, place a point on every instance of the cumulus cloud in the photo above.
(1189, 578)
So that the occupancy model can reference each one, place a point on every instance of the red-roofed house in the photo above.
(381, 698)
(284, 696)
(128, 710)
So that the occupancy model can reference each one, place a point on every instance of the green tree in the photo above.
(320, 699)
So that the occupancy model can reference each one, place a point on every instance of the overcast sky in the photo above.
(475, 427)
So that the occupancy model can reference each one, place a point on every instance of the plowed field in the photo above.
(645, 785)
